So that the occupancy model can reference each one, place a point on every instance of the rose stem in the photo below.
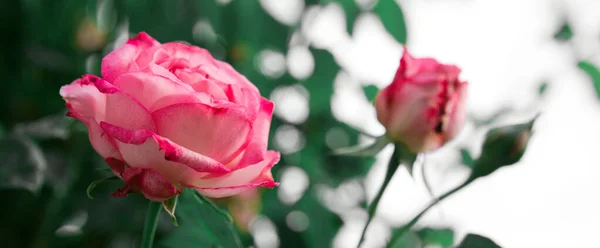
(150, 224)
(391, 169)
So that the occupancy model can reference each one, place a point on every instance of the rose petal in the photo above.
(145, 149)
(257, 148)
(456, 114)
(255, 175)
(229, 191)
(122, 59)
(226, 73)
(102, 143)
(152, 90)
(245, 97)
(86, 103)
(194, 55)
(217, 132)
(121, 109)
(210, 87)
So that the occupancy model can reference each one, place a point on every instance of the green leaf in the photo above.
(371, 92)
(593, 72)
(392, 18)
(169, 206)
(95, 183)
(564, 33)
(503, 146)
(201, 224)
(437, 237)
(364, 151)
(466, 158)
(408, 240)
(543, 88)
(477, 241)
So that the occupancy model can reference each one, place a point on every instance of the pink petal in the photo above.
(145, 149)
(257, 148)
(121, 109)
(211, 88)
(220, 133)
(230, 191)
(255, 175)
(84, 99)
(456, 114)
(174, 55)
(243, 96)
(116, 165)
(88, 104)
(226, 73)
(195, 55)
(122, 59)
(103, 144)
(155, 91)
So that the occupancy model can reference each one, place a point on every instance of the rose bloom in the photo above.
(169, 116)
(424, 107)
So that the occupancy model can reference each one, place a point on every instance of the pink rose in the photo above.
(424, 107)
(168, 116)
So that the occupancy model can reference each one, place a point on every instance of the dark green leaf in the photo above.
(564, 33)
(503, 146)
(169, 206)
(392, 18)
(408, 240)
(542, 89)
(201, 224)
(437, 237)
(364, 151)
(593, 72)
(466, 157)
(95, 183)
(477, 241)
(371, 92)
(23, 164)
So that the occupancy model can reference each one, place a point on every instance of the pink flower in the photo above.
(424, 107)
(169, 116)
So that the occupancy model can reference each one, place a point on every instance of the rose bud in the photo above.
(169, 116)
(424, 107)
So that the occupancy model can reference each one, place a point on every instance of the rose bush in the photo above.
(169, 116)
(424, 106)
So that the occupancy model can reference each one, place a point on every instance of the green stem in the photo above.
(391, 169)
(150, 224)
(408, 226)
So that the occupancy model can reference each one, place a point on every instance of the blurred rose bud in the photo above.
(168, 116)
(424, 107)
(502, 146)
(243, 207)
(89, 37)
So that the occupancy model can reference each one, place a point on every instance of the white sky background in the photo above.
(505, 48)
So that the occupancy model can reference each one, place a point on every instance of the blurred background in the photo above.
(321, 62)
